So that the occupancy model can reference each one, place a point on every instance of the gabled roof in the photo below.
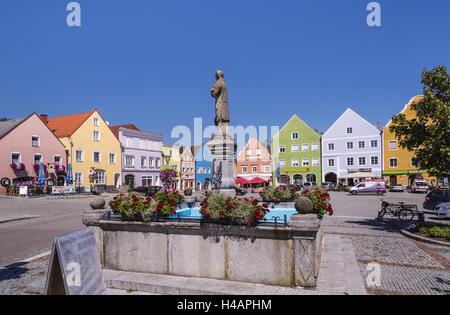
(65, 126)
(8, 125)
(202, 154)
(115, 129)
(415, 99)
(347, 112)
(289, 121)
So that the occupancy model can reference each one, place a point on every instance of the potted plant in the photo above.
(321, 201)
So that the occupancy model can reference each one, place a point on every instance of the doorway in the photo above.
(129, 181)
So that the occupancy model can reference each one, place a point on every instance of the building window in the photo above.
(349, 130)
(258, 152)
(79, 155)
(57, 160)
(330, 146)
(15, 158)
(282, 163)
(78, 178)
(143, 161)
(413, 161)
(129, 142)
(96, 135)
(150, 162)
(362, 161)
(100, 180)
(294, 148)
(96, 157)
(147, 181)
(37, 158)
(305, 147)
(305, 162)
(315, 147)
(349, 145)
(294, 162)
(331, 162)
(295, 136)
(350, 161)
(112, 158)
(393, 162)
(158, 162)
(96, 122)
(254, 169)
(244, 169)
(266, 168)
(315, 162)
(35, 141)
(143, 144)
(374, 143)
(361, 144)
(392, 145)
(374, 160)
(129, 161)
(282, 149)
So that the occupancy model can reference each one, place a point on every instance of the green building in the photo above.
(296, 154)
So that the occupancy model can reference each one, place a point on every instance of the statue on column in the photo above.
(219, 92)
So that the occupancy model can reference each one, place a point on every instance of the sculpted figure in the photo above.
(219, 92)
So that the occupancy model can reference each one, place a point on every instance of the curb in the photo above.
(18, 219)
(423, 239)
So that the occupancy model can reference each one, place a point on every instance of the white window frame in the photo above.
(331, 162)
(372, 143)
(315, 147)
(396, 145)
(294, 148)
(143, 159)
(244, 170)
(38, 140)
(294, 162)
(103, 182)
(60, 159)
(82, 155)
(41, 159)
(353, 161)
(361, 144)
(96, 122)
(20, 157)
(94, 132)
(282, 149)
(99, 157)
(282, 163)
(305, 162)
(315, 162)
(80, 182)
(396, 162)
(349, 130)
(295, 133)
(114, 161)
(129, 142)
(254, 169)
(126, 161)
(364, 160)
(266, 169)
(330, 146)
(350, 148)
(305, 147)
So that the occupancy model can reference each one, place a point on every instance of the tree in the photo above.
(428, 135)
(3, 119)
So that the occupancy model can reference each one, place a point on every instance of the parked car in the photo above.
(419, 186)
(309, 186)
(148, 191)
(240, 192)
(442, 210)
(378, 187)
(397, 188)
(328, 186)
(435, 197)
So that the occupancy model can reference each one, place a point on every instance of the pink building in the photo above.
(26, 142)
(254, 161)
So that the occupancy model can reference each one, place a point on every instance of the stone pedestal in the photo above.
(223, 149)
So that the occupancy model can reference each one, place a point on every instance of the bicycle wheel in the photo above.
(406, 215)
(381, 214)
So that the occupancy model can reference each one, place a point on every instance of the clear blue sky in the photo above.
(152, 63)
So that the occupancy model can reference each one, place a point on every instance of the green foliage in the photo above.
(428, 135)
(279, 194)
(133, 205)
(436, 231)
(320, 199)
(221, 207)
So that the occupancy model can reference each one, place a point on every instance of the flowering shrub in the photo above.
(168, 176)
(133, 206)
(221, 207)
(17, 166)
(279, 194)
(166, 202)
(320, 199)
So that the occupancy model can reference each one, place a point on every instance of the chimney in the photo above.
(379, 126)
(316, 131)
(44, 119)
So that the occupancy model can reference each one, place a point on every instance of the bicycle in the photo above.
(404, 213)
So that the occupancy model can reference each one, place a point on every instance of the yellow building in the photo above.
(172, 159)
(398, 165)
(92, 149)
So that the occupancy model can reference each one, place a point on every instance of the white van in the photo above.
(419, 185)
(377, 187)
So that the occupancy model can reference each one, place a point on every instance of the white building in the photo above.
(351, 145)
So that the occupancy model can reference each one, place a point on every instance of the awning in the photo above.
(257, 180)
(241, 180)
(360, 175)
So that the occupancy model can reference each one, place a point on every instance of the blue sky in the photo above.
(152, 63)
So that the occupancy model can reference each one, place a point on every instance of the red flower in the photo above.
(257, 211)
(258, 217)
(265, 205)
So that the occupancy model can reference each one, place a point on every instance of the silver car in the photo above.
(442, 210)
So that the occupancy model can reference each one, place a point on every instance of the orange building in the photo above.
(398, 165)
(254, 161)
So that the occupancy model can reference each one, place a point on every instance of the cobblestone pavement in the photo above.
(406, 266)
(24, 278)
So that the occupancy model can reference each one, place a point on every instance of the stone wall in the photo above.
(282, 256)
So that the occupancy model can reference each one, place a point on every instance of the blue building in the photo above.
(203, 168)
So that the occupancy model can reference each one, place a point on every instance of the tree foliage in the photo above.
(428, 135)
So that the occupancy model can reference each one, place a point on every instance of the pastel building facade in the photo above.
(203, 168)
(172, 159)
(254, 161)
(398, 165)
(141, 156)
(27, 142)
(92, 149)
(296, 154)
(187, 174)
(351, 145)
